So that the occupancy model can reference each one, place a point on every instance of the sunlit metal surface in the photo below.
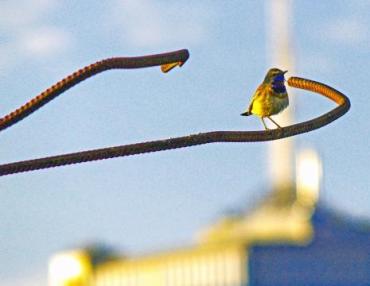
(166, 144)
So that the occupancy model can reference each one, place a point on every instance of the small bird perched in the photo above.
(270, 98)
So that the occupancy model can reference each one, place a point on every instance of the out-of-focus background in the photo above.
(155, 202)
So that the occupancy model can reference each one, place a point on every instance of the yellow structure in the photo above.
(220, 256)
(71, 268)
(216, 264)
(222, 264)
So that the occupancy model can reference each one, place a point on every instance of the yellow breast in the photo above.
(266, 102)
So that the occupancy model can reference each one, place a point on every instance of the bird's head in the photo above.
(274, 75)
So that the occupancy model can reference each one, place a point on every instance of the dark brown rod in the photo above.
(191, 140)
(66, 83)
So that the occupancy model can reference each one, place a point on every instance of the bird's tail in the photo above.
(247, 113)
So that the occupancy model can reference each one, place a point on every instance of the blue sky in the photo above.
(155, 201)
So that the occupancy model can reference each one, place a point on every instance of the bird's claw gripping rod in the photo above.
(167, 61)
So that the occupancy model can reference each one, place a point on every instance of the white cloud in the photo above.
(147, 23)
(18, 14)
(346, 31)
(25, 32)
(44, 41)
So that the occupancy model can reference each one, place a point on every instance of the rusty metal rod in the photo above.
(195, 139)
(40, 100)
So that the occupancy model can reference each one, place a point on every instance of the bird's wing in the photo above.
(258, 93)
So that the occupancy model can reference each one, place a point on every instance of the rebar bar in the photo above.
(176, 57)
(166, 144)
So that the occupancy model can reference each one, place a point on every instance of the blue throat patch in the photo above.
(278, 84)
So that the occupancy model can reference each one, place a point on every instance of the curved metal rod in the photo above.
(167, 61)
(196, 139)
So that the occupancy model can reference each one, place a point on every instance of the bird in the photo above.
(270, 98)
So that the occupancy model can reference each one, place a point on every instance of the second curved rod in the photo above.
(196, 139)
(166, 60)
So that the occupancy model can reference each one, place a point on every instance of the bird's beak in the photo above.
(284, 72)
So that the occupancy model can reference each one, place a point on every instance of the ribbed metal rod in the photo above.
(40, 100)
(195, 139)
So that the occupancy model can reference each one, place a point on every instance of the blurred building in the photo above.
(285, 240)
